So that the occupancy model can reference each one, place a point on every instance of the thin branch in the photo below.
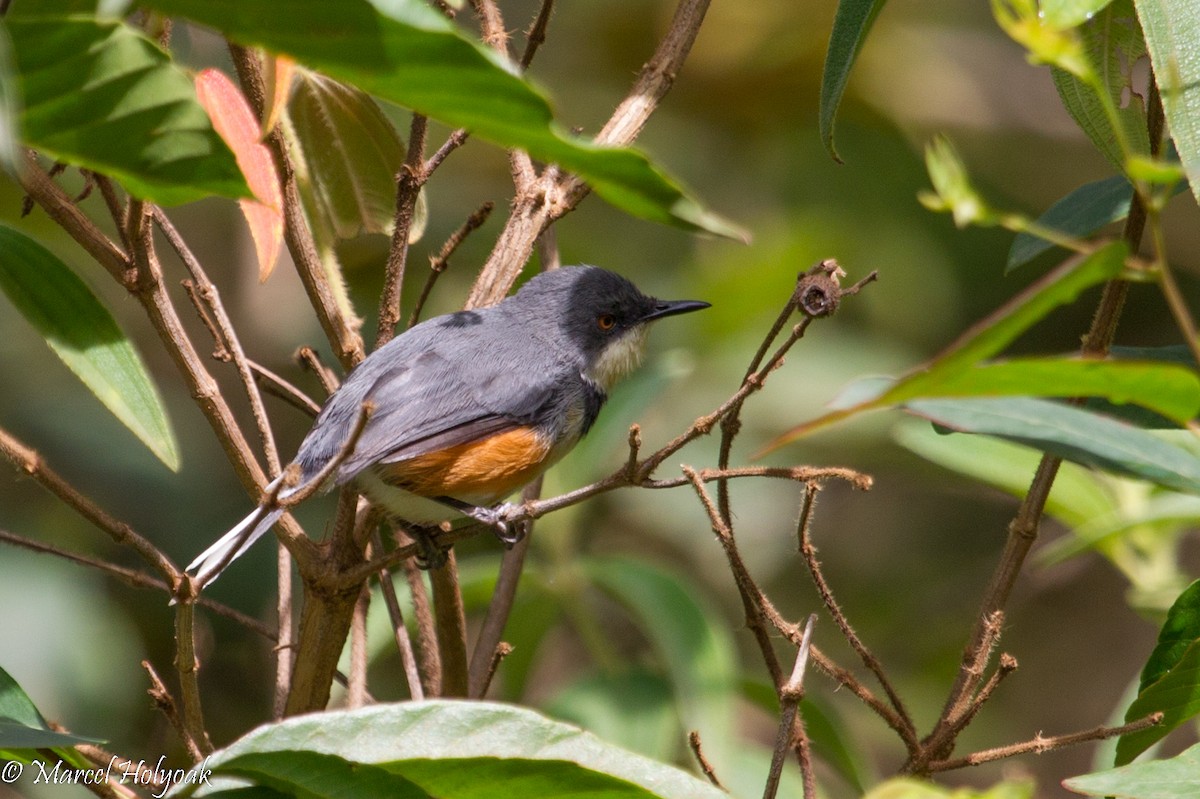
(340, 324)
(451, 627)
(357, 690)
(502, 650)
(808, 553)
(409, 181)
(225, 337)
(537, 33)
(30, 462)
(399, 629)
(285, 652)
(188, 667)
(166, 705)
(1040, 744)
(309, 359)
(430, 660)
(789, 719)
(501, 605)
(706, 768)
(136, 579)
(439, 262)
(286, 391)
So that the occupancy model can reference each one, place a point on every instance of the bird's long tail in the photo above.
(209, 564)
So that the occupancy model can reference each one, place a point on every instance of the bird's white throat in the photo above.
(619, 358)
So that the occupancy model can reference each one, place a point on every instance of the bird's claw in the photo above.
(501, 518)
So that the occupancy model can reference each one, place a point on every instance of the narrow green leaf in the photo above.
(1172, 29)
(1076, 498)
(85, 337)
(1070, 433)
(913, 788)
(15, 735)
(103, 96)
(1176, 778)
(15, 704)
(1080, 214)
(985, 339)
(1176, 695)
(1069, 13)
(461, 749)
(1179, 631)
(405, 52)
(1112, 42)
(354, 183)
(851, 25)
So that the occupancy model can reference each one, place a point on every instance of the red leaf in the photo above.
(236, 123)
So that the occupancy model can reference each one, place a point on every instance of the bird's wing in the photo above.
(422, 404)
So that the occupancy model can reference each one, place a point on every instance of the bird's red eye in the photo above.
(606, 322)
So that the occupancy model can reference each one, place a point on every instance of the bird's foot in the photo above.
(502, 519)
(430, 555)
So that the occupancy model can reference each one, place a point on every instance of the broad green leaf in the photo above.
(353, 186)
(85, 337)
(851, 25)
(405, 52)
(1077, 496)
(1071, 433)
(1172, 30)
(1176, 694)
(696, 648)
(464, 749)
(1179, 631)
(102, 96)
(985, 339)
(313, 775)
(1176, 778)
(913, 788)
(1112, 42)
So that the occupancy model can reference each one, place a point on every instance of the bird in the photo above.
(468, 407)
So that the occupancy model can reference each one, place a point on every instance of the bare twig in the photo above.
(274, 384)
(166, 705)
(809, 555)
(789, 719)
(501, 604)
(1039, 744)
(537, 33)
(188, 666)
(702, 761)
(409, 181)
(309, 359)
(399, 629)
(357, 690)
(502, 650)
(439, 262)
(451, 627)
(430, 661)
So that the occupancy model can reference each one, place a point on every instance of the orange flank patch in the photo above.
(486, 470)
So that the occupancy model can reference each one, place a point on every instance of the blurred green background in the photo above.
(908, 560)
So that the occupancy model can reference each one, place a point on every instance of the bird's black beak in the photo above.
(672, 307)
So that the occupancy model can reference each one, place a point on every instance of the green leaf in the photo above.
(319, 776)
(1071, 433)
(102, 96)
(85, 337)
(985, 339)
(1080, 214)
(1076, 498)
(1112, 42)
(353, 184)
(1172, 30)
(952, 189)
(696, 647)
(465, 749)
(1176, 778)
(851, 24)
(1179, 631)
(22, 726)
(1069, 13)
(405, 52)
